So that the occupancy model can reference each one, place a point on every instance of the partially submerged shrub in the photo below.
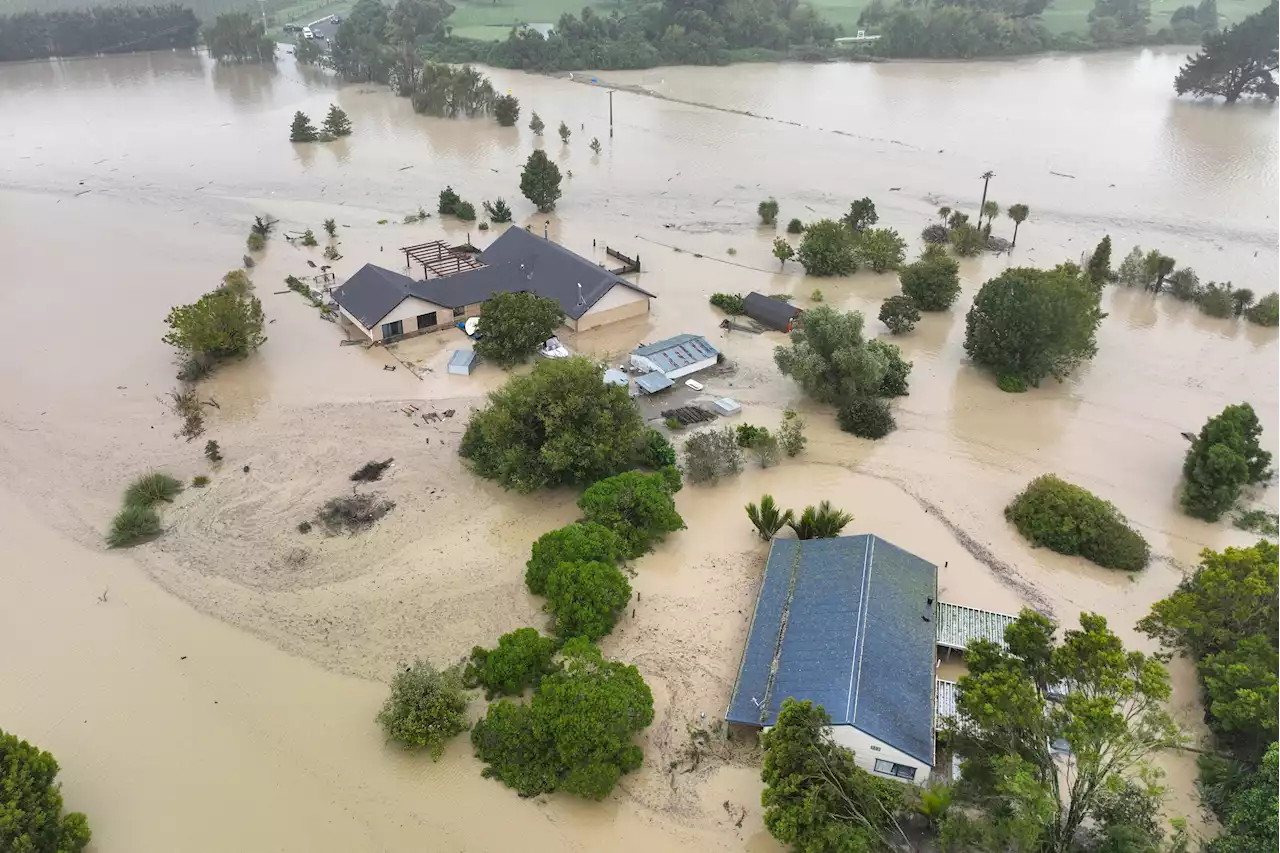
(304, 527)
(899, 314)
(425, 709)
(465, 210)
(152, 488)
(768, 211)
(748, 434)
(821, 522)
(791, 433)
(200, 481)
(585, 598)
(212, 452)
(186, 405)
(1258, 521)
(795, 226)
(521, 659)
(255, 242)
(656, 453)
(1266, 312)
(568, 544)
(712, 454)
(448, 201)
(935, 234)
(730, 303)
(1070, 520)
(636, 506)
(133, 524)
(353, 513)
(1216, 300)
(866, 417)
(767, 518)
(371, 471)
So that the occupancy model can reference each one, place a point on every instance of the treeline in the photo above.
(205, 10)
(114, 29)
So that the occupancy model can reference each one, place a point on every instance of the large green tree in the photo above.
(882, 249)
(1223, 458)
(637, 507)
(1112, 720)
(362, 49)
(1028, 324)
(1240, 60)
(575, 734)
(31, 816)
(1250, 822)
(569, 544)
(521, 659)
(410, 22)
(540, 181)
(830, 358)
(513, 326)
(827, 248)
(586, 598)
(861, 216)
(933, 281)
(224, 323)
(1070, 520)
(816, 798)
(240, 37)
(559, 425)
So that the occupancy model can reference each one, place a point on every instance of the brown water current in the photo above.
(222, 695)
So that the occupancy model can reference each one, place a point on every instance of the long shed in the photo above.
(767, 311)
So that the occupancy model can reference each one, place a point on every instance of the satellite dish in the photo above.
(471, 325)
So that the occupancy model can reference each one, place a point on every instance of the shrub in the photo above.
(791, 433)
(935, 234)
(866, 417)
(425, 709)
(221, 324)
(1216, 300)
(448, 201)
(520, 660)
(767, 518)
(712, 454)
(331, 227)
(151, 489)
(498, 211)
(1266, 312)
(1011, 384)
(353, 513)
(579, 542)
(881, 249)
(747, 434)
(1258, 521)
(506, 109)
(585, 598)
(331, 253)
(656, 453)
(371, 471)
(483, 226)
(816, 296)
(465, 210)
(730, 303)
(513, 326)
(309, 238)
(200, 481)
(672, 423)
(1223, 458)
(896, 369)
(820, 522)
(255, 242)
(1062, 517)
(304, 527)
(966, 240)
(899, 314)
(1185, 285)
(1132, 269)
(795, 226)
(133, 524)
(638, 507)
(31, 816)
(827, 249)
(932, 283)
(768, 210)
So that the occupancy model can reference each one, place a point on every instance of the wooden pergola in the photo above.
(439, 259)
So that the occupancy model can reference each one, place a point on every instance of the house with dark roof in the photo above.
(386, 305)
(847, 623)
(770, 312)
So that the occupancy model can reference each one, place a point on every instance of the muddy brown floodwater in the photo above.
(216, 689)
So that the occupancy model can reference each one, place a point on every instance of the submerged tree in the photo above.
(861, 216)
(783, 251)
(565, 133)
(443, 90)
(899, 314)
(932, 282)
(1099, 268)
(336, 122)
(536, 125)
(595, 145)
(1223, 458)
(302, 130)
(498, 211)
(882, 249)
(827, 248)
(830, 358)
(224, 323)
(1018, 213)
(540, 181)
(768, 211)
(506, 110)
(1240, 60)
(239, 36)
(767, 518)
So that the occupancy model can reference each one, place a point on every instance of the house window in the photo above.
(426, 321)
(391, 330)
(902, 771)
(460, 311)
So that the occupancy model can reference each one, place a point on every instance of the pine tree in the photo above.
(595, 145)
(565, 133)
(336, 122)
(302, 130)
(540, 181)
(506, 110)
(1100, 262)
(536, 125)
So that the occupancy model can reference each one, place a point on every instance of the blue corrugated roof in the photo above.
(675, 353)
(839, 622)
(651, 383)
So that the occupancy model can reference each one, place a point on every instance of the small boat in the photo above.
(553, 349)
(694, 384)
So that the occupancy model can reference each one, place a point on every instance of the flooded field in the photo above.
(127, 185)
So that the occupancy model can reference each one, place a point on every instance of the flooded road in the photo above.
(127, 185)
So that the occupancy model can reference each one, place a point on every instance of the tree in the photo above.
(897, 370)
(795, 226)
(498, 211)
(307, 52)
(224, 323)
(448, 201)
(331, 228)
(31, 817)
(1216, 299)
(1250, 822)
(1099, 268)
(559, 425)
(982, 205)
(575, 734)
(513, 326)
(656, 452)
(861, 216)
(578, 542)
(1266, 312)
(899, 314)
(1240, 60)
(1070, 520)
(239, 36)
(881, 249)
(302, 130)
(1241, 298)
(309, 238)
(829, 357)
(1184, 284)
(409, 22)
(944, 213)
(1162, 266)
(1133, 268)
(336, 122)
(791, 433)
(767, 518)
(816, 798)
(1223, 617)
(967, 241)
(506, 110)
(866, 417)
(1112, 719)
(768, 211)
(1019, 213)
(827, 249)
(782, 251)
(565, 133)
(636, 506)
(932, 282)
(445, 90)
(426, 708)
(585, 598)
(536, 124)
(540, 181)
(1223, 458)
(521, 659)
(991, 210)
(1027, 324)
(595, 145)
(821, 522)
(712, 454)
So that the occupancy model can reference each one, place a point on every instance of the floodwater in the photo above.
(235, 663)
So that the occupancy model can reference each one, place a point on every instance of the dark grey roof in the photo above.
(516, 261)
(652, 383)
(372, 292)
(773, 313)
(841, 622)
(674, 353)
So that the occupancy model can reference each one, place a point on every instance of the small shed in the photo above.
(728, 406)
(462, 362)
(675, 357)
(652, 383)
(770, 312)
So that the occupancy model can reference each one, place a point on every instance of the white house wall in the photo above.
(866, 749)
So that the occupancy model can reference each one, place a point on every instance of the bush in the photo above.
(899, 314)
(827, 249)
(791, 433)
(309, 238)
(1215, 300)
(506, 109)
(767, 518)
(256, 242)
(31, 816)
(730, 303)
(768, 210)
(656, 453)
(896, 369)
(881, 249)
(465, 210)
(1224, 457)
(1258, 521)
(425, 709)
(212, 452)
(200, 481)
(1266, 312)
(1185, 285)
(638, 507)
(498, 211)
(152, 488)
(133, 524)
(866, 417)
(585, 598)
(579, 542)
(747, 434)
(712, 454)
(304, 527)
(559, 425)
(795, 226)
(448, 201)
(935, 234)
(1065, 518)
(821, 522)
(966, 240)
(513, 326)
(520, 660)
(221, 324)
(1012, 384)
(932, 283)
(353, 513)
(371, 471)
(816, 296)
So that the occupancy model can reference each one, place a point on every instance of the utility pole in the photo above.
(986, 179)
(611, 114)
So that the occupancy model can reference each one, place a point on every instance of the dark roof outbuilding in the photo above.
(770, 312)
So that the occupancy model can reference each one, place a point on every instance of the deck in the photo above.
(958, 626)
(944, 705)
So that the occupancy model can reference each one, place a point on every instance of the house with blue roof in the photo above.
(847, 623)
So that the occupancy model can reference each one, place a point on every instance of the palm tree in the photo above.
(1019, 213)
(767, 519)
(956, 219)
(986, 179)
(944, 212)
(991, 210)
(934, 803)
(825, 522)
(263, 225)
(1163, 268)
(1242, 298)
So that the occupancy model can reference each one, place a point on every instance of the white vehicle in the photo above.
(307, 34)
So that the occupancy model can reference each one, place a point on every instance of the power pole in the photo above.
(611, 114)
(986, 179)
